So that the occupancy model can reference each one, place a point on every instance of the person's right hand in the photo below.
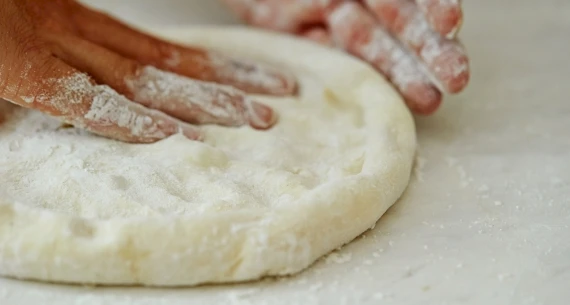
(406, 40)
(93, 72)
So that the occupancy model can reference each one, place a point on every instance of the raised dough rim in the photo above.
(137, 251)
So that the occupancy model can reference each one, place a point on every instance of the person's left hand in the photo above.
(94, 72)
(406, 40)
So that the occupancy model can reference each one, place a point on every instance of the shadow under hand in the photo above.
(7, 110)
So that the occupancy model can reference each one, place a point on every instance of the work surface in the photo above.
(486, 218)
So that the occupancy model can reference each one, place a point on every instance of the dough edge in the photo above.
(183, 251)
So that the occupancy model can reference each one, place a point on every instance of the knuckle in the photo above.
(18, 64)
(23, 56)
(25, 81)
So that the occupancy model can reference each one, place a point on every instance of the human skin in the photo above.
(96, 73)
(89, 70)
(406, 40)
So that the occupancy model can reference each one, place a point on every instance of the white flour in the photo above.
(382, 50)
(102, 110)
(203, 102)
(70, 171)
(251, 74)
(240, 205)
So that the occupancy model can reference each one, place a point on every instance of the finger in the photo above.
(191, 62)
(354, 29)
(318, 35)
(282, 15)
(62, 91)
(196, 101)
(184, 98)
(446, 59)
(444, 16)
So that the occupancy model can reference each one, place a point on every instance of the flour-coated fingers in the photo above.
(446, 59)
(444, 16)
(354, 29)
(319, 35)
(64, 92)
(193, 62)
(187, 99)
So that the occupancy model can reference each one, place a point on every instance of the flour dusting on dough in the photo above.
(240, 205)
(206, 103)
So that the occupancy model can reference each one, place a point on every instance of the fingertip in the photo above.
(272, 82)
(428, 108)
(260, 116)
(252, 77)
(453, 71)
(423, 99)
(448, 22)
(191, 132)
(459, 82)
(288, 85)
(318, 35)
(445, 17)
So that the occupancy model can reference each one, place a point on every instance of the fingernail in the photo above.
(191, 132)
(284, 84)
(290, 85)
(422, 98)
(260, 116)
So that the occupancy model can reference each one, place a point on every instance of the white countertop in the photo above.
(486, 219)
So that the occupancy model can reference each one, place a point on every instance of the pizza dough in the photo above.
(244, 204)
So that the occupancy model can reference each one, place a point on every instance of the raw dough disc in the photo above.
(244, 204)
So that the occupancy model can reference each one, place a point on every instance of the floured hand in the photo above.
(94, 72)
(406, 40)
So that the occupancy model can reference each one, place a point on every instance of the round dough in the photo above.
(242, 205)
